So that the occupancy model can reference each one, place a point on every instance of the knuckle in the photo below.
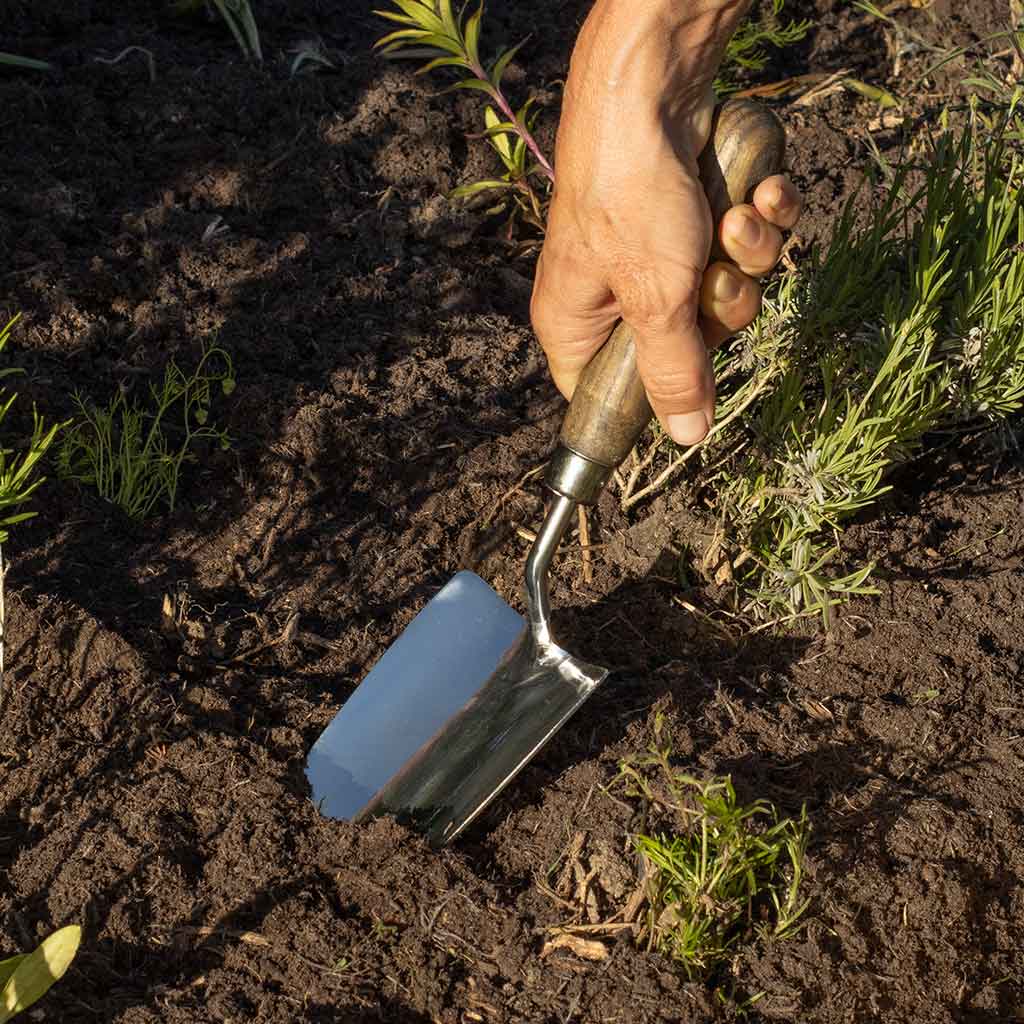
(660, 302)
(669, 388)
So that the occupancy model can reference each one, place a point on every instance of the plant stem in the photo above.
(521, 130)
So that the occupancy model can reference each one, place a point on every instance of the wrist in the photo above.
(653, 61)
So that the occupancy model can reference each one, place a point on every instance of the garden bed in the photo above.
(390, 401)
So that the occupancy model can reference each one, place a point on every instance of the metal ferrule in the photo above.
(574, 476)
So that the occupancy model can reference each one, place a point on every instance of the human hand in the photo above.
(629, 230)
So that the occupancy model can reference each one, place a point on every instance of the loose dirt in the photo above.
(390, 399)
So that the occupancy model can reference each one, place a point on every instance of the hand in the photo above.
(629, 230)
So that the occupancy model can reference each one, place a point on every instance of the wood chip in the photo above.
(586, 949)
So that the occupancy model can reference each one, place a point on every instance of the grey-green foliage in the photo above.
(911, 323)
(19, 468)
(26, 978)
(133, 455)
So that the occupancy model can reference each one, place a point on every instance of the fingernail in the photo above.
(748, 233)
(727, 287)
(687, 427)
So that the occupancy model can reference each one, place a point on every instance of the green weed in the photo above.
(127, 452)
(718, 872)
(25, 979)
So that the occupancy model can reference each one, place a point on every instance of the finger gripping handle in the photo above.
(609, 408)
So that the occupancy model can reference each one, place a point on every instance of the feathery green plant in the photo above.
(718, 872)
(18, 475)
(910, 324)
(126, 451)
(26, 978)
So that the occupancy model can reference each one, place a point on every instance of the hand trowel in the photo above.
(471, 691)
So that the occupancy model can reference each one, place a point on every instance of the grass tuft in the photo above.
(718, 872)
(133, 455)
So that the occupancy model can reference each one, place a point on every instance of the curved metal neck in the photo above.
(537, 596)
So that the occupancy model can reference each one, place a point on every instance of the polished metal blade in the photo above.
(453, 710)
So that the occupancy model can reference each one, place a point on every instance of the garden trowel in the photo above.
(471, 691)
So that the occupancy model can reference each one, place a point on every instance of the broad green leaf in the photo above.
(502, 63)
(14, 61)
(35, 973)
(473, 34)
(7, 968)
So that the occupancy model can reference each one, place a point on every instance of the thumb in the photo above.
(673, 363)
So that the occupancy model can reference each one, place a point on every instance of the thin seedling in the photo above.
(127, 452)
(433, 31)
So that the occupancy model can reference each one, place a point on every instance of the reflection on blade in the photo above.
(534, 690)
(454, 708)
(425, 678)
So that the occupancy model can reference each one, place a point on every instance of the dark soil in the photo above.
(390, 398)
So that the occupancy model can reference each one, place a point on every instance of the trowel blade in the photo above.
(451, 712)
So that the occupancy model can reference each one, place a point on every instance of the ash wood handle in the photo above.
(609, 408)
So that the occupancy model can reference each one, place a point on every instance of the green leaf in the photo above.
(465, 191)
(498, 134)
(448, 18)
(401, 35)
(502, 63)
(14, 61)
(35, 973)
(8, 967)
(473, 83)
(473, 34)
(442, 62)
(422, 14)
(401, 19)
(881, 96)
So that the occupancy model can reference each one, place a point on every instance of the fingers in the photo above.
(729, 300)
(749, 236)
(749, 233)
(778, 201)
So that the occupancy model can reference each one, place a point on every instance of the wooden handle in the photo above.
(609, 408)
